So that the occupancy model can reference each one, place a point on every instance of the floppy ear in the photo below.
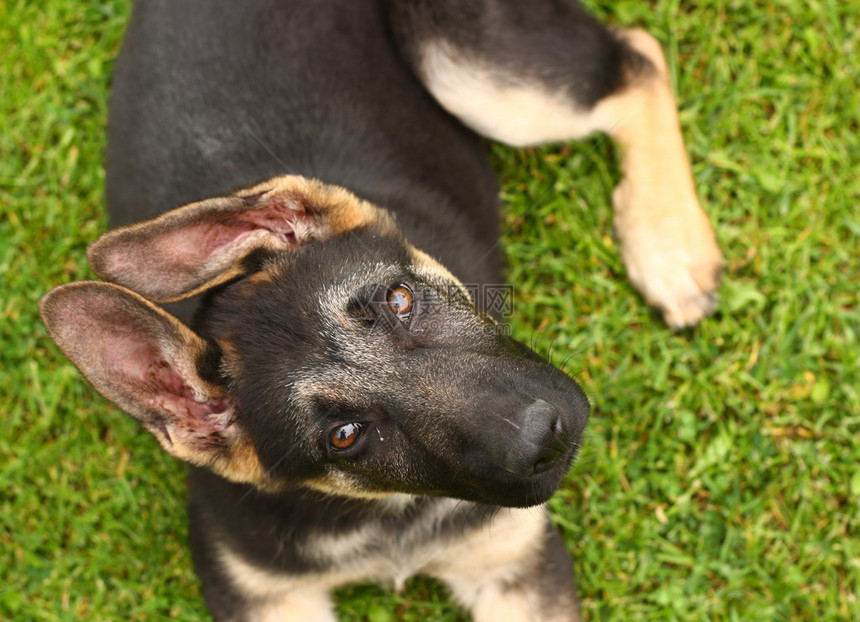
(146, 362)
(193, 248)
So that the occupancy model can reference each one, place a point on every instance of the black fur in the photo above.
(209, 95)
(290, 337)
(556, 42)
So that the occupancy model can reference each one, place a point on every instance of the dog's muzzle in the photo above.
(541, 443)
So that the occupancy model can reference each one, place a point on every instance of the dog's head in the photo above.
(328, 353)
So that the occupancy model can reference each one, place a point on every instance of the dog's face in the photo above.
(331, 354)
(380, 375)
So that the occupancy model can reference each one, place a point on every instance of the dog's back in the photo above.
(213, 95)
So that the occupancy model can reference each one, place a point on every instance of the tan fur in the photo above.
(277, 597)
(496, 551)
(480, 568)
(237, 463)
(133, 256)
(667, 243)
(231, 362)
(73, 312)
(341, 484)
(666, 240)
(305, 607)
(243, 465)
(511, 110)
(338, 209)
(432, 270)
(477, 567)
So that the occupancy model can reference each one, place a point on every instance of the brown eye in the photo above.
(345, 436)
(400, 302)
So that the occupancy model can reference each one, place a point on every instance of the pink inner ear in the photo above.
(150, 378)
(172, 394)
(286, 221)
(196, 244)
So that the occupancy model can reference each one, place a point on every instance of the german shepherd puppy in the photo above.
(349, 409)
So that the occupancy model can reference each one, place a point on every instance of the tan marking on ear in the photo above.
(338, 209)
(242, 465)
(199, 246)
(231, 362)
(145, 360)
(109, 258)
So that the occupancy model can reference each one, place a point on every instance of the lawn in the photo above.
(720, 477)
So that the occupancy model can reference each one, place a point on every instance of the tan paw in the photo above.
(670, 253)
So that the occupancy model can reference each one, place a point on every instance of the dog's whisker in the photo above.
(566, 361)
(285, 167)
(508, 421)
(552, 347)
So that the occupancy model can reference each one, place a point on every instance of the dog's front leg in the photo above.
(516, 569)
(666, 240)
(304, 607)
(536, 72)
(237, 590)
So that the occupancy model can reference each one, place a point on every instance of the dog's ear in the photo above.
(147, 362)
(193, 248)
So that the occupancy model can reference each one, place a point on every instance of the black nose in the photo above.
(540, 441)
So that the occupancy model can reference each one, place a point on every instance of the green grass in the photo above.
(720, 477)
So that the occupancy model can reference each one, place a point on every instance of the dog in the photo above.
(305, 332)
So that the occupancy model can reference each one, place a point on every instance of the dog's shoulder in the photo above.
(304, 540)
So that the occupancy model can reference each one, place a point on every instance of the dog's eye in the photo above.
(345, 436)
(400, 302)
